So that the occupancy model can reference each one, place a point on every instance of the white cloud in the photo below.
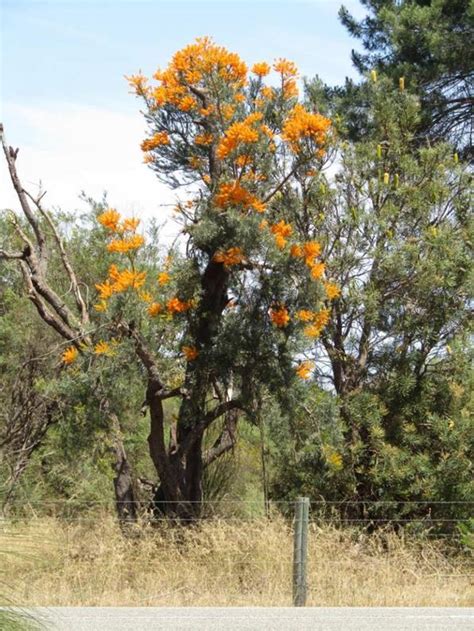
(70, 148)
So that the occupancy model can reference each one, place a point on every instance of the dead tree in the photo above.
(70, 321)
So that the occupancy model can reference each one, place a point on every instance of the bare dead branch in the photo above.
(81, 305)
(46, 314)
(11, 156)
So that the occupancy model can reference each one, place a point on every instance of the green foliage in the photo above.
(398, 240)
(425, 41)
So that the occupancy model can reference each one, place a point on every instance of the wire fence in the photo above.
(433, 517)
(246, 552)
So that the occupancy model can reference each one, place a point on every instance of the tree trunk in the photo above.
(125, 497)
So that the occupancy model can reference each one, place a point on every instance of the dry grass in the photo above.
(224, 563)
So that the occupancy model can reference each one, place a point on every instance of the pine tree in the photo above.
(425, 44)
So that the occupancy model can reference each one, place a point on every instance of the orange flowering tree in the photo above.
(252, 292)
(235, 306)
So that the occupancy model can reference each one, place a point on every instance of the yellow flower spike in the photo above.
(401, 83)
(396, 180)
(456, 158)
(70, 355)
(386, 178)
(373, 75)
(334, 460)
(101, 306)
(379, 152)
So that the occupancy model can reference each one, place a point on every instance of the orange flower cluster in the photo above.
(302, 124)
(103, 348)
(303, 370)
(123, 246)
(305, 315)
(157, 140)
(317, 270)
(190, 352)
(232, 256)
(175, 305)
(70, 355)
(233, 194)
(203, 139)
(281, 230)
(280, 316)
(310, 250)
(319, 321)
(119, 281)
(288, 72)
(188, 68)
(239, 133)
(268, 92)
(261, 69)
(187, 103)
(163, 278)
(145, 296)
(109, 219)
(243, 160)
(154, 309)
(332, 290)
(138, 82)
(227, 111)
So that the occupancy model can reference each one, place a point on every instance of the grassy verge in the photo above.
(231, 562)
(11, 620)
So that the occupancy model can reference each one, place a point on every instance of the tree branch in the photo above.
(10, 156)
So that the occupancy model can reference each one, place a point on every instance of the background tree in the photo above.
(426, 43)
(397, 238)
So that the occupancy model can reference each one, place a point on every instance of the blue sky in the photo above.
(65, 101)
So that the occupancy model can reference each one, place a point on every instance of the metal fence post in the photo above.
(300, 551)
